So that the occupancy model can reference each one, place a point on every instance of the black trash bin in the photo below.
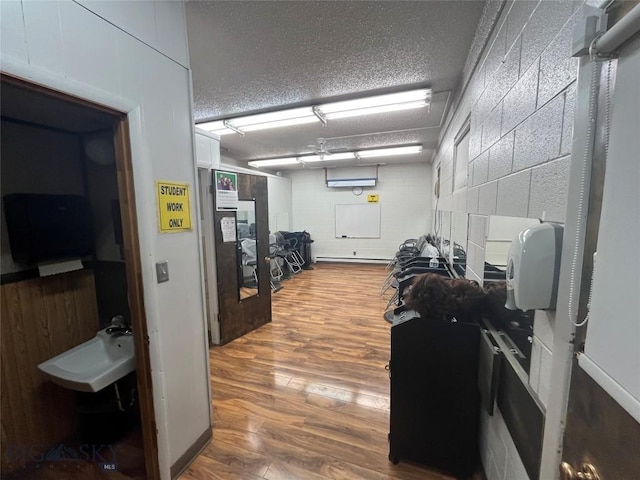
(306, 250)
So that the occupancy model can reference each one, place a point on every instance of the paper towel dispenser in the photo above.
(533, 267)
(45, 228)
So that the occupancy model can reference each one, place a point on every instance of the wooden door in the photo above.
(238, 315)
(599, 431)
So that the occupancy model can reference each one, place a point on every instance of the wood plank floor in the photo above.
(307, 396)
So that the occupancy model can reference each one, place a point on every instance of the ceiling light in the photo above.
(385, 152)
(217, 127)
(373, 110)
(330, 157)
(298, 116)
(327, 157)
(283, 118)
(377, 104)
(280, 123)
(274, 162)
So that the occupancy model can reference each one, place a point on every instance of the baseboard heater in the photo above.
(353, 260)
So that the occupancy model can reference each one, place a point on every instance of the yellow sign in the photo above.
(372, 198)
(173, 206)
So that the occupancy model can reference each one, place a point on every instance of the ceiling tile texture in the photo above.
(248, 57)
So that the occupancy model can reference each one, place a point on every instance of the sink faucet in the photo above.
(119, 327)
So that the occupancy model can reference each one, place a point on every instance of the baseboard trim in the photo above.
(190, 455)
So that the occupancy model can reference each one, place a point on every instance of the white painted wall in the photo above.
(207, 149)
(280, 205)
(132, 56)
(520, 100)
(405, 201)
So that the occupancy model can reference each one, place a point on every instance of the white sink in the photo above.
(93, 365)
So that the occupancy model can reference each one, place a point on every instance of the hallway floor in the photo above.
(307, 396)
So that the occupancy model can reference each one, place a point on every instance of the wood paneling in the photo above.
(599, 431)
(307, 395)
(41, 318)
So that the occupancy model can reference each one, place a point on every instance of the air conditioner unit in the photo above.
(352, 177)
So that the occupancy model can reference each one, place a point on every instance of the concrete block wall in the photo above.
(519, 102)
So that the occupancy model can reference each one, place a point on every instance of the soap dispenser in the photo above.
(533, 268)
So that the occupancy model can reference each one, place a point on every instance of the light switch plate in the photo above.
(162, 271)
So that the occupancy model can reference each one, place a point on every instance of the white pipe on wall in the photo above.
(620, 32)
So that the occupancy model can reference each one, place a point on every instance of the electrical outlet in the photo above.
(162, 271)
(354, 254)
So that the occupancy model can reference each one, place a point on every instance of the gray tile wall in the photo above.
(520, 102)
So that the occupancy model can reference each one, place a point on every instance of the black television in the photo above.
(45, 228)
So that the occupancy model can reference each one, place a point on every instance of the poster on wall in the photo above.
(228, 227)
(173, 206)
(226, 190)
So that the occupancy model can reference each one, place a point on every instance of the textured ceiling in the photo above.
(258, 56)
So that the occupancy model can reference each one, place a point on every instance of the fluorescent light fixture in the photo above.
(377, 104)
(283, 118)
(299, 116)
(280, 123)
(378, 152)
(274, 162)
(262, 121)
(327, 158)
(373, 110)
(386, 152)
(216, 127)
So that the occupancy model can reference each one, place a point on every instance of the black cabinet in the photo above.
(434, 394)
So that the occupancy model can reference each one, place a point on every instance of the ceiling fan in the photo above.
(320, 148)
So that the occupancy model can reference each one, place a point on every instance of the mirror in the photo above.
(458, 258)
(500, 232)
(247, 249)
(518, 327)
(452, 237)
(444, 233)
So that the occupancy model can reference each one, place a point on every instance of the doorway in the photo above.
(55, 145)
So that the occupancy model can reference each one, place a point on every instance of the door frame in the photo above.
(208, 246)
(133, 261)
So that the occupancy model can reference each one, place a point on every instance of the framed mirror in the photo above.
(247, 248)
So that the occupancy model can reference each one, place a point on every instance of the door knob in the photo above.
(267, 259)
(589, 472)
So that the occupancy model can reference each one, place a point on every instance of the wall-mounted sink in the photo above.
(93, 365)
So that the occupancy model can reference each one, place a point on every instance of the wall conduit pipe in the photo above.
(618, 34)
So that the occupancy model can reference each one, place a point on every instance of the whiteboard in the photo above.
(361, 220)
